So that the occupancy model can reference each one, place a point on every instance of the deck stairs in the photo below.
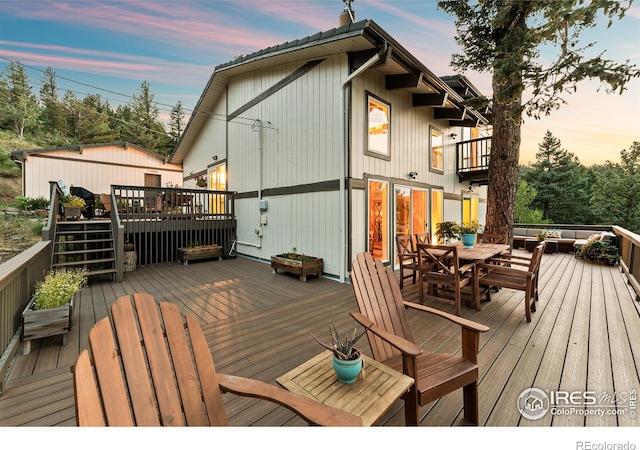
(86, 244)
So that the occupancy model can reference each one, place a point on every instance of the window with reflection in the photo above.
(378, 120)
(437, 154)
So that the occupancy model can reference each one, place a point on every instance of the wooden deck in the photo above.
(585, 336)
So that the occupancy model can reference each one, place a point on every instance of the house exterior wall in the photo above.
(289, 147)
(94, 168)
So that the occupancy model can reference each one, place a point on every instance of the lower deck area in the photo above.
(584, 337)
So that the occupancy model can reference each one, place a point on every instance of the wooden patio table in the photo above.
(369, 397)
(479, 253)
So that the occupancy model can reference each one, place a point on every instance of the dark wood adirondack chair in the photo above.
(408, 258)
(436, 374)
(440, 269)
(513, 272)
(153, 369)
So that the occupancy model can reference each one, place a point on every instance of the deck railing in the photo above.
(158, 221)
(18, 279)
(630, 256)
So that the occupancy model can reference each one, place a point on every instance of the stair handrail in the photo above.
(118, 236)
(54, 208)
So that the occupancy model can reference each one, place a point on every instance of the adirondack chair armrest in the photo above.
(465, 323)
(314, 412)
(504, 270)
(405, 346)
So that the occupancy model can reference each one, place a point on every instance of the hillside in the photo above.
(18, 229)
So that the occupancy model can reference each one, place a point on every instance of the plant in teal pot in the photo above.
(348, 361)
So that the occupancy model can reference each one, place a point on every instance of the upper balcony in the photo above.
(472, 160)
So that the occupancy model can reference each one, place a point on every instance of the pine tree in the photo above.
(19, 105)
(505, 38)
(52, 113)
(148, 129)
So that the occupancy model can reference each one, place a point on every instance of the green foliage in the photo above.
(342, 348)
(561, 183)
(523, 212)
(7, 165)
(30, 203)
(58, 287)
(616, 191)
(446, 231)
(600, 251)
(71, 201)
(293, 254)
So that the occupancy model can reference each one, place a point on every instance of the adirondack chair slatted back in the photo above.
(154, 381)
(379, 298)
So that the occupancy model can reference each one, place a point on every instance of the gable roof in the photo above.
(364, 36)
(20, 154)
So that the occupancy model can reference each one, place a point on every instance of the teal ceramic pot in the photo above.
(347, 371)
(468, 240)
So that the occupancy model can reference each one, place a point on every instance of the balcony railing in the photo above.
(473, 160)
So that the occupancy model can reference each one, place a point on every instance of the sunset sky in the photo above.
(110, 48)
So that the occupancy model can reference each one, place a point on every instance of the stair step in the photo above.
(101, 271)
(83, 262)
(80, 252)
(76, 232)
(83, 241)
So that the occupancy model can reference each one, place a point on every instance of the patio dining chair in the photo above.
(408, 258)
(383, 313)
(514, 272)
(150, 369)
(440, 270)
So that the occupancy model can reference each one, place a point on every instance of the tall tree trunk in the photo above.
(505, 153)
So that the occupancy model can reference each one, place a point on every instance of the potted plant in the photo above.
(71, 206)
(346, 359)
(201, 181)
(297, 263)
(600, 251)
(195, 251)
(446, 231)
(130, 256)
(468, 231)
(49, 311)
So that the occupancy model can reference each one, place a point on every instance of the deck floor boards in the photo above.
(584, 335)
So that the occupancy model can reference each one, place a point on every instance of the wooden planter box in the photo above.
(42, 323)
(72, 212)
(190, 254)
(301, 268)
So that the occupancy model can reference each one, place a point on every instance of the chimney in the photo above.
(347, 16)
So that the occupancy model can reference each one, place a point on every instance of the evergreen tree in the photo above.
(505, 38)
(176, 123)
(93, 121)
(19, 105)
(148, 130)
(617, 190)
(561, 183)
(52, 114)
(523, 211)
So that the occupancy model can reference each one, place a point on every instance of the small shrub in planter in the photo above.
(600, 251)
(50, 310)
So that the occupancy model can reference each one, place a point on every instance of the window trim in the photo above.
(433, 130)
(368, 151)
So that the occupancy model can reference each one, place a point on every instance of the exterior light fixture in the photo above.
(413, 175)
(453, 136)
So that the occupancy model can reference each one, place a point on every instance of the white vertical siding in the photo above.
(95, 169)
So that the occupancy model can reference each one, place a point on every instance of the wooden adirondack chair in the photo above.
(391, 341)
(521, 274)
(165, 376)
(408, 258)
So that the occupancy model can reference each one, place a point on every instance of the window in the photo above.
(378, 119)
(217, 182)
(470, 208)
(379, 219)
(437, 210)
(436, 155)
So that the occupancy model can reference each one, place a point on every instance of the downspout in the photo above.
(344, 161)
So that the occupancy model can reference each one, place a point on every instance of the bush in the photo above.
(29, 203)
(600, 250)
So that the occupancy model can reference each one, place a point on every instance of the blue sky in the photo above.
(174, 45)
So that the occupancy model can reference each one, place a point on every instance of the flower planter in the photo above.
(302, 268)
(347, 371)
(186, 254)
(42, 323)
(72, 212)
(130, 260)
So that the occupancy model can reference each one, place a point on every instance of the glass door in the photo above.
(379, 219)
(411, 206)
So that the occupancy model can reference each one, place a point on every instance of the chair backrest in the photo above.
(106, 201)
(493, 238)
(438, 262)
(536, 258)
(404, 245)
(148, 371)
(379, 298)
(423, 238)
